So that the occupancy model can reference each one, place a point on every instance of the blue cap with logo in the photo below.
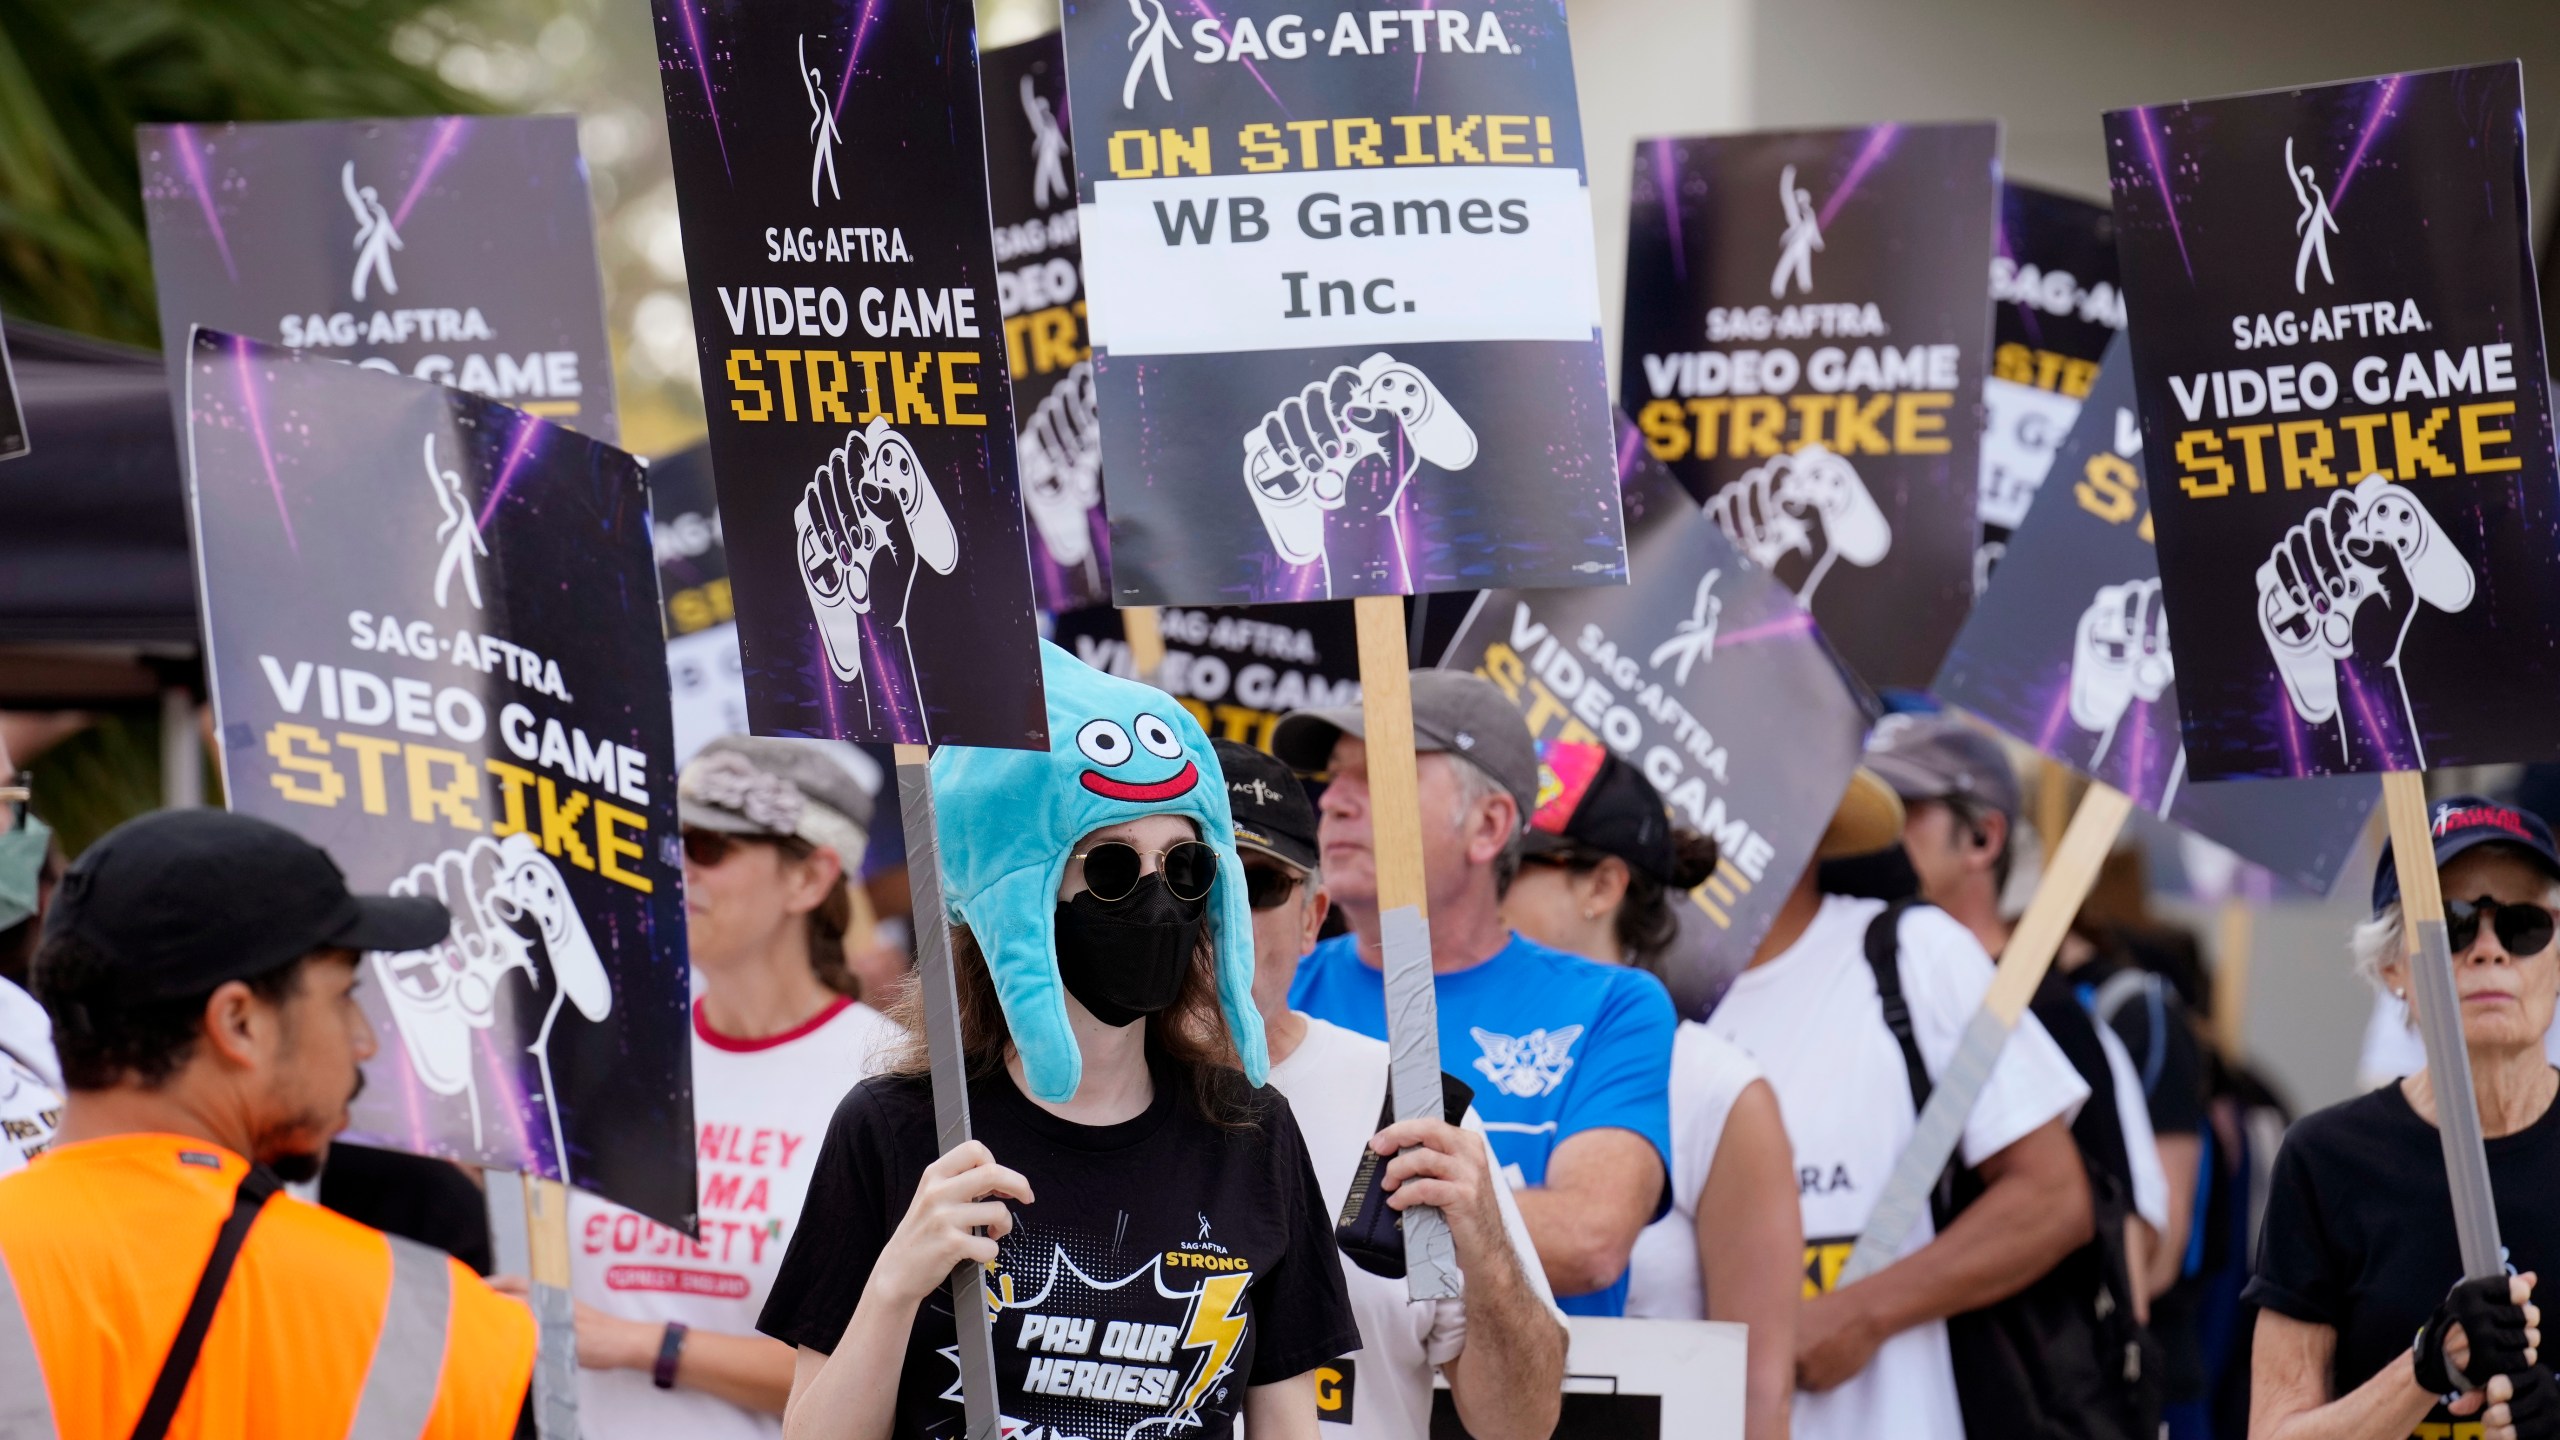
(2461, 822)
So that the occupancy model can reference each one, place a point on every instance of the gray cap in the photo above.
(1453, 712)
(1934, 757)
(765, 785)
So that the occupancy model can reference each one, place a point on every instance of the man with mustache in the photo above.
(200, 971)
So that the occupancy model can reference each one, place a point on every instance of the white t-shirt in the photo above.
(30, 1078)
(760, 1108)
(1336, 1084)
(1813, 1021)
(1708, 1075)
(2141, 1142)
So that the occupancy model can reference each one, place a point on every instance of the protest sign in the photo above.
(1707, 675)
(2054, 306)
(1624, 1380)
(1345, 320)
(707, 683)
(1804, 347)
(830, 176)
(1236, 670)
(13, 416)
(2338, 357)
(1040, 290)
(2069, 651)
(459, 249)
(432, 635)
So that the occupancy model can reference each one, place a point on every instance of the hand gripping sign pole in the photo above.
(950, 1072)
(1404, 926)
(2023, 962)
(2439, 1008)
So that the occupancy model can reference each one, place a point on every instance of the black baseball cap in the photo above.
(2461, 822)
(1454, 711)
(1269, 805)
(184, 900)
(1589, 799)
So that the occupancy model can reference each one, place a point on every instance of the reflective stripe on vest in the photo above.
(408, 1357)
(25, 1408)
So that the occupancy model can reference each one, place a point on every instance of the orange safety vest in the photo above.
(328, 1328)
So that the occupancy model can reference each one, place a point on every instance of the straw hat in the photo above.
(1869, 819)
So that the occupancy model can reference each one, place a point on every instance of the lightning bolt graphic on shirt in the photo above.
(1216, 1325)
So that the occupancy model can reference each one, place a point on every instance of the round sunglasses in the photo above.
(2522, 927)
(1112, 869)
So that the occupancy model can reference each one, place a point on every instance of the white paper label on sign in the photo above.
(1210, 264)
(2022, 427)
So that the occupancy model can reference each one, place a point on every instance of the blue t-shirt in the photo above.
(1554, 1045)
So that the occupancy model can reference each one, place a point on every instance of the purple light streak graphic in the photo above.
(861, 32)
(2160, 177)
(1666, 174)
(1224, 38)
(520, 446)
(1879, 144)
(2049, 734)
(447, 138)
(1630, 445)
(193, 162)
(702, 69)
(511, 1104)
(2380, 737)
(2138, 754)
(1799, 622)
(1417, 61)
(258, 427)
(2379, 111)
(2290, 726)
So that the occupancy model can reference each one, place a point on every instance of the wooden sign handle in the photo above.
(2069, 872)
(941, 995)
(1143, 625)
(555, 1313)
(2438, 1006)
(1404, 926)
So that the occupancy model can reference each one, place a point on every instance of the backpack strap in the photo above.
(1884, 956)
(2120, 990)
(256, 1188)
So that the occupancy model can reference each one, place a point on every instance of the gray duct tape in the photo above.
(1413, 1042)
(950, 1082)
(2466, 1157)
(1933, 1139)
(555, 1364)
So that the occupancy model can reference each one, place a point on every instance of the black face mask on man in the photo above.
(1124, 959)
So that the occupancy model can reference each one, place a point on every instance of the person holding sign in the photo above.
(1575, 1055)
(1502, 1343)
(2358, 1250)
(1156, 1252)
(666, 1342)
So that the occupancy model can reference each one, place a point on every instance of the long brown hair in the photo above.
(827, 923)
(1190, 1034)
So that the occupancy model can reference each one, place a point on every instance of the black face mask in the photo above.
(1124, 959)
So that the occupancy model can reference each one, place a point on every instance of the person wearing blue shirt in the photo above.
(1570, 1058)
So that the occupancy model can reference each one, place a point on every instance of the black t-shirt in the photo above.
(1168, 1264)
(2359, 1235)
(2162, 1043)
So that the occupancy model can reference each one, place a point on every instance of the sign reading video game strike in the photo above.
(432, 632)
(2069, 651)
(2338, 355)
(457, 249)
(830, 175)
(2054, 306)
(1707, 674)
(1237, 669)
(1804, 348)
(1040, 290)
(1343, 310)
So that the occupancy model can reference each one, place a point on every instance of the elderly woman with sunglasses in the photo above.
(2357, 1251)
(1155, 1254)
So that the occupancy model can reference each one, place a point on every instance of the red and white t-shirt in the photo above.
(760, 1108)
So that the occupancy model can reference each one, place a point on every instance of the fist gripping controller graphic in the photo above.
(1808, 503)
(511, 911)
(2343, 586)
(1061, 455)
(865, 519)
(1328, 465)
(2120, 654)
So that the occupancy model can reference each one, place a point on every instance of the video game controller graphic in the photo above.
(1810, 502)
(2373, 545)
(864, 520)
(1061, 455)
(1350, 443)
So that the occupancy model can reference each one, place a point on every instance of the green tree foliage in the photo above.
(77, 75)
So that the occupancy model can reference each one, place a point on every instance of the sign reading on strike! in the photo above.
(457, 249)
(1707, 675)
(2338, 357)
(1344, 316)
(1804, 348)
(831, 178)
(2069, 651)
(432, 631)
(2054, 307)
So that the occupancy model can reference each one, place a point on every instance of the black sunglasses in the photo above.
(1268, 887)
(2523, 928)
(1112, 869)
(709, 847)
